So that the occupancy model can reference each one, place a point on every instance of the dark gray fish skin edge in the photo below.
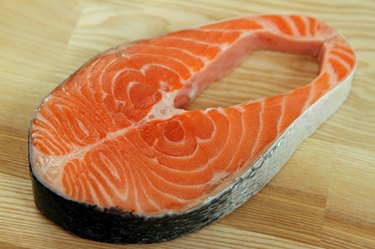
(116, 226)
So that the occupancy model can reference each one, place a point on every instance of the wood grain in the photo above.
(323, 198)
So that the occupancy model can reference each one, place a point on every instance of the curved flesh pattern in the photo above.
(113, 134)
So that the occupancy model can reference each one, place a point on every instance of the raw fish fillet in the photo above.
(114, 156)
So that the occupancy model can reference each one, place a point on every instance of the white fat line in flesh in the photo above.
(181, 200)
(89, 81)
(176, 170)
(88, 77)
(39, 135)
(114, 78)
(202, 140)
(150, 199)
(102, 75)
(242, 110)
(102, 191)
(145, 67)
(174, 157)
(65, 120)
(178, 142)
(63, 139)
(130, 85)
(152, 147)
(82, 127)
(314, 28)
(75, 184)
(72, 172)
(343, 51)
(219, 110)
(51, 146)
(326, 51)
(145, 160)
(332, 75)
(201, 58)
(114, 189)
(84, 197)
(292, 25)
(207, 110)
(260, 129)
(164, 56)
(310, 97)
(180, 185)
(193, 40)
(95, 198)
(74, 188)
(306, 21)
(341, 61)
(112, 168)
(239, 108)
(282, 112)
(135, 190)
(237, 144)
(222, 45)
(115, 154)
(69, 181)
(269, 26)
(69, 123)
(78, 182)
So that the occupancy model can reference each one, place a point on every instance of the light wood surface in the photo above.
(323, 197)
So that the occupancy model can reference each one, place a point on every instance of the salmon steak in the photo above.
(115, 157)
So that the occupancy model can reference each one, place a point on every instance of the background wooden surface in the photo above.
(324, 196)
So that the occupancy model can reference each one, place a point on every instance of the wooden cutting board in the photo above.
(324, 196)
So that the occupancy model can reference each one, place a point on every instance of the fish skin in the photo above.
(114, 136)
